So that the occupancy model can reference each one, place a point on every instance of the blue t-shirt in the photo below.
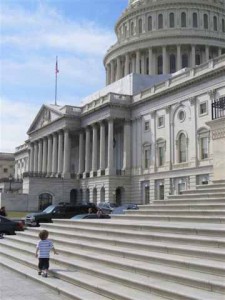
(44, 247)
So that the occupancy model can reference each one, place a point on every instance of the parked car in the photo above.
(121, 209)
(107, 207)
(60, 211)
(8, 226)
(90, 216)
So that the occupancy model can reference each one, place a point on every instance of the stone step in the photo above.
(138, 281)
(134, 240)
(185, 206)
(176, 212)
(222, 181)
(77, 285)
(186, 201)
(127, 247)
(210, 186)
(208, 190)
(172, 218)
(198, 195)
(60, 287)
(116, 226)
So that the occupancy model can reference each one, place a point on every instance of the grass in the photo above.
(16, 214)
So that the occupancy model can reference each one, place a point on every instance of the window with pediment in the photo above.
(147, 155)
(203, 143)
(161, 150)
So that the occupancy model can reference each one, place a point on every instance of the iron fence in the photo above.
(218, 108)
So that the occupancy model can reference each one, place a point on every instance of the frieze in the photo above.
(218, 133)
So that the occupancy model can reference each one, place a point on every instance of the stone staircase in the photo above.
(171, 249)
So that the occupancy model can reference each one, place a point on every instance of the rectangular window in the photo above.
(147, 158)
(5, 170)
(203, 108)
(147, 127)
(160, 121)
(204, 148)
(161, 156)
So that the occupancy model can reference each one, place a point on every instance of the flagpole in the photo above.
(56, 79)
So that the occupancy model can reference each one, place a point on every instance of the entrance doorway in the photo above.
(120, 195)
(73, 196)
(45, 200)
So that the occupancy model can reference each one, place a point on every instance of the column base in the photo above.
(66, 175)
(93, 174)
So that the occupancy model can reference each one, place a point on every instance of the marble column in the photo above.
(49, 162)
(81, 153)
(110, 146)
(35, 157)
(143, 69)
(40, 155)
(179, 58)
(102, 146)
(44, 158)
(137, 62)
(94, 149)
(206, 53)
(118, 68)
(66, 158)
(54, 154)
(60, 153)
(31, 158)
(150, 58)
(164, 54)
(107, 74)
(193, 56)
(112, 76)
(87, 150)
(127, 63)
(126, 146)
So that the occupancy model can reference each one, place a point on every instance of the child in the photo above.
(43, 249)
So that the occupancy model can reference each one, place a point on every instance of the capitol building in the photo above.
(145, 135)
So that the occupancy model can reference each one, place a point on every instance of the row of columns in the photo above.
(52, 155)
(135, 62)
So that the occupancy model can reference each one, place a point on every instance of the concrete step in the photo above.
(186, 206)
(210, 186)
(172, 218)
(177, 212)
(198, 195)
(186, 201)
(139, 281)
(208, 190)
(114, 226)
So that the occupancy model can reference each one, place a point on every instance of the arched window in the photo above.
(183, 19)
(149, 23)
(184, 61)
(140, 25)
(132, 28)
(45, 200)
(195, 20)
(215, 23)
(223, 25)
(171, 17)
(182, 148)
(160, 64)
(160, 21)
(206, 21)
(172, 63)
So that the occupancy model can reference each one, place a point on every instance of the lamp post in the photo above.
(10, 182)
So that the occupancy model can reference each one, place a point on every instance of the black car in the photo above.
(121, 209)
(90, 216)
(8, 226)
(107, 207)
(60, 211)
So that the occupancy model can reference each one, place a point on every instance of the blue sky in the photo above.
(33, 33)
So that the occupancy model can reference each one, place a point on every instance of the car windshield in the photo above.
(49, 209)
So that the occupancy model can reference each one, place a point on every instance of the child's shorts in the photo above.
(43, 263)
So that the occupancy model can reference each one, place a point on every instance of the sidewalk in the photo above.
(14, 286)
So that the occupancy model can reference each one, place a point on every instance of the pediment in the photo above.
(45, 116)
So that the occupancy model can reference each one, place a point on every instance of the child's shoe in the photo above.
(39, 272)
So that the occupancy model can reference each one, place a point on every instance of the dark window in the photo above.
(45, 200)
(160, 21)
(223, 25)
(198, 59)
(215, 23)
(132, 28)
(195, 20)
(172, 63)
(149, 23)
(140, 26)
(182, 148)
(206, 21)
(5, 170)
(183, 20)
(171, 20)
(184, 61)
(160, 64)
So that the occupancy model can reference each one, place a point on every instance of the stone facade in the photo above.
(145, 135)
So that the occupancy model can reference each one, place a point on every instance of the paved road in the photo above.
(14, 286)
